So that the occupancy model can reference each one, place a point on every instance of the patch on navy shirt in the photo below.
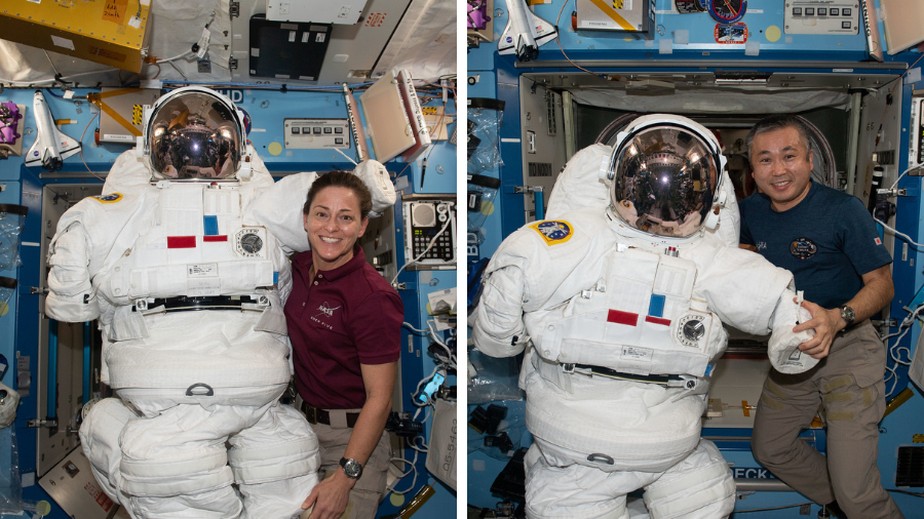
(802, 248)
(553, 231)
(108, 199)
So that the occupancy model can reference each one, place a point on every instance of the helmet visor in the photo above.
(195, 135)
(664, 181)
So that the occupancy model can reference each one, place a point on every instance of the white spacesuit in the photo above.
(619, 307)
(187, 273)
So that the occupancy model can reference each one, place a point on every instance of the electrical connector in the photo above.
(402, 425)
(501, 441)
(427, 393)
(486, 421)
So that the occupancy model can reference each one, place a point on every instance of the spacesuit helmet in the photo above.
(664, 174)
(194, 133)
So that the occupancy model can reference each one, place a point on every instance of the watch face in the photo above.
(351, 468)
(848, 314)
(727, 11)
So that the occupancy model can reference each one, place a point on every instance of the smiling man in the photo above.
(828, 240)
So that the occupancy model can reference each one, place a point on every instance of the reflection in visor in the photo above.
(664, 182)
(194, 136)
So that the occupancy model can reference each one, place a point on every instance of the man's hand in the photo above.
(330, 497)
(826, 324)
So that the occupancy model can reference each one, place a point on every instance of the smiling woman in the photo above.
(344, 321)
(335, 217)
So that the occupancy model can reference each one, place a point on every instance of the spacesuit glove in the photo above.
(783, 347)
(376, 178)
(9, 399)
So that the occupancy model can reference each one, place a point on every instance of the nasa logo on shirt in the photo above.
(325, 315)
(802, 248)
(553, 231)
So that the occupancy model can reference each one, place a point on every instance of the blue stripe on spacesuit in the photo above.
(210, 224)
(656, 305)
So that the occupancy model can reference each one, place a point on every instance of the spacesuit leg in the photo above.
(99, 438)
(699, 487)
(275, 463)
(176, 464)
(561, 489)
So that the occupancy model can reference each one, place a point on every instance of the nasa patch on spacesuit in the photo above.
(553, 232)
(110, 198)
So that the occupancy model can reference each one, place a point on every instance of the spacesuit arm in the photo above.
(783, 346)
(537, 268)
(498, 329)
(753, 295)
(279, 209)
(580, 184)
(377, 179)
(70, 297)
(519, 278)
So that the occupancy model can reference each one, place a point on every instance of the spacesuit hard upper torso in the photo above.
(623, 307)
(152, 246)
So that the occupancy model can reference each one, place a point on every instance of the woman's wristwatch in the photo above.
(352, 468)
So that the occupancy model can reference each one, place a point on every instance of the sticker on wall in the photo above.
(731, 33)
(727, 11)
(689, 6)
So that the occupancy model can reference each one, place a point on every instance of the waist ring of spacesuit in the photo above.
(189, 303)
(684, 381)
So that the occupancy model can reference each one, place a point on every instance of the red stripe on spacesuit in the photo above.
(620, 317)
(181, 242)
(221, 237)
(658, 320)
